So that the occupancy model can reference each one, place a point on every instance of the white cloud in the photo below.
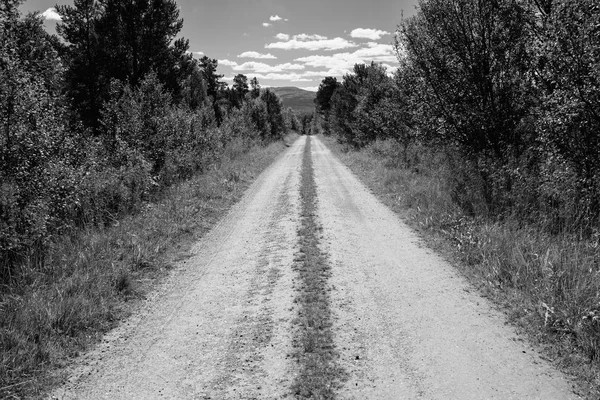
(304, 37)
(373, 34)
(377, 52)
(266, 24)
(51, 14)
(255, 54)
(275, 18)
(259, 67)
(343, 63)
(313, 45)
(390, 69)
(227, 63)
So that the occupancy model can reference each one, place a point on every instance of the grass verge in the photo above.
(548, 285)
(95, 278)
(319, 374)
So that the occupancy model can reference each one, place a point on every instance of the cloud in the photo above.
(275, 18)
(266, 24)
(304, 37)
(227, 63)
(51, 14)
(312, 45)
(343, 63)
(259, 67)
(255, 54)
(372, 34)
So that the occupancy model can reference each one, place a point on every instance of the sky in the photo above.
(283, 42)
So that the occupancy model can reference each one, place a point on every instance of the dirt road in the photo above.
(224, 326)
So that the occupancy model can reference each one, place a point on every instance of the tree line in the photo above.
(507, 90)
(97, 120)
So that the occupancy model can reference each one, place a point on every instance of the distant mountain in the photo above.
(301, 101)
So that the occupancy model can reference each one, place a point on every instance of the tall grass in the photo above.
(549, 283)
(91, 278)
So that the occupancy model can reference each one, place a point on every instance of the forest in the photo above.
(490, 129)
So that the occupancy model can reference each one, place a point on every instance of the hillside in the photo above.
(301, 101)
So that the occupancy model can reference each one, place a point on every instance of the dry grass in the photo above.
(319, 373)
(93, 279)
(549, 285)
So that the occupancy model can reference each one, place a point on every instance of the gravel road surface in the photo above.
(405, 324)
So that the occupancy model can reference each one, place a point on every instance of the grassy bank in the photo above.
(315, 353)
(94, 279)
(548, 285)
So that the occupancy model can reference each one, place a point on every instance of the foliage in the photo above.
(275, 114)
(478, 84)
(240, 88)
(111, 39)
(367, 105)
(323, 99)
(570, 107)
(38, 155)
(290, 120)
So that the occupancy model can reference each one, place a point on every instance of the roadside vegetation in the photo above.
(488, 136)
(117, 148)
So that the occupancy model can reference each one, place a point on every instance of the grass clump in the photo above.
(547, 282)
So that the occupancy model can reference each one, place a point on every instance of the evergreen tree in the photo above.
(255, 86)
(240, 88)
(123, 40)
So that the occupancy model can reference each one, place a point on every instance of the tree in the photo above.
(138, 36)
(324, 93)
(193, 88)
(323, 99)
(571, 102)
(474, 58)
(275, 113)
(343, 103)
(124, 40)
(38, 154)
(209, 70)
(240, 85)
(255, 92)
(84, 78)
